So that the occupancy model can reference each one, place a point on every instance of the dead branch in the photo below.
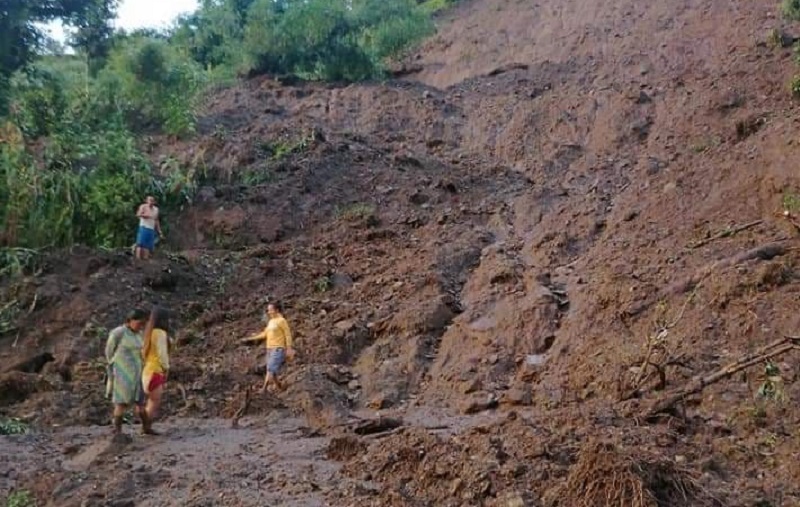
(764, 252)
(242, 410)
(183, 395)
(727, 232)
(379, 425)
(700, 382)
(655, 342)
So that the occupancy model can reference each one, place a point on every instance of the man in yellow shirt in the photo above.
(280, 347)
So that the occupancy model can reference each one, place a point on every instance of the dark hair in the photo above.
(136, 314)
(159, 319)
(275, 304)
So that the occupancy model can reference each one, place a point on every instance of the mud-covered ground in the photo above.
(557, 216)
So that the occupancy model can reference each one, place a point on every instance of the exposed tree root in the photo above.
(605, 476)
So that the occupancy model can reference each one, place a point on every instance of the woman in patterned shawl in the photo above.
(124, 356)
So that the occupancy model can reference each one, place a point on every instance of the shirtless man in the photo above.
(149, 226)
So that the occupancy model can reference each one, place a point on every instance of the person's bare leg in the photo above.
(267, 382)
(151, 410)
(119, 414)
(278, 384)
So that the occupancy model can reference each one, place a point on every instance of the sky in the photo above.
(141, 14)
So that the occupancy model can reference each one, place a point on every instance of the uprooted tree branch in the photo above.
(700, 382)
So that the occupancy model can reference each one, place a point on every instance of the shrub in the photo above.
(156, 82)
(330, 39)
(20, 499)
(791, 9)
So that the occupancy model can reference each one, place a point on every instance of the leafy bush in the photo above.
(314, 39)
(791, 9)
(155, 81)
(13, 427)
(20, 499)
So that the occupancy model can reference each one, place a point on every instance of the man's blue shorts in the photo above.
(146, 238)
(275, 360)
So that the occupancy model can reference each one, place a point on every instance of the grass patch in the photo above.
(13, 427)
(22, 498)
(356, 211)
(323, 284)
(791, 202)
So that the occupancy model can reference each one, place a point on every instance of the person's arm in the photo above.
(162, 348)
(256, 337)
(158, 226)
(111, 345)
(287, 334)
(141, 212)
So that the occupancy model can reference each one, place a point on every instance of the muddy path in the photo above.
(557, 216)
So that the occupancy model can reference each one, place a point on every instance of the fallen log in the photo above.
(700, 382)
(379, 425)
(726, 233)
(764, 252)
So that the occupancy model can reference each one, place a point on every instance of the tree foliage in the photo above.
(71, 166)
(315, 39)
(20, 38)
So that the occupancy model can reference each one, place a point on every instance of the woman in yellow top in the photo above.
(278, 337)
(156, 365)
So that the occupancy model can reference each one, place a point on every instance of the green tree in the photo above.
(94, 32)
(20, 37)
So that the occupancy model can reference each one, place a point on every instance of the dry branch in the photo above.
(655, 342)
(242, 410)
(727, 232)
(765, 252)
(700, 382)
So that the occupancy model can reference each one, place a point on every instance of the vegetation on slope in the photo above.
(71, 166)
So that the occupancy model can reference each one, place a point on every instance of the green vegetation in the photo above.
(12, 427)
(21, 498)
(356, 211)
(791, 202)
(73, 165)
(791, 9)
(313, 39)
(323, 283)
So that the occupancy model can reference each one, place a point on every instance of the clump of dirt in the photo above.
(604, 476)
(345, 448)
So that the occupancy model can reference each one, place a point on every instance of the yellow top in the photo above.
(157, 359)
(277, 334)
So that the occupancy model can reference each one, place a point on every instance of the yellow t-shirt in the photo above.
(157, 359)
(277, 333)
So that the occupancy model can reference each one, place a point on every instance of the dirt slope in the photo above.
(506, 226)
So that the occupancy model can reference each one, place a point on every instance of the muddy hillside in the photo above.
(555, 261)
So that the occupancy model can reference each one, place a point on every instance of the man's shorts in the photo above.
(146, 238)
(275, 360)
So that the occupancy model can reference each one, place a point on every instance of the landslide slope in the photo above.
(516, 221)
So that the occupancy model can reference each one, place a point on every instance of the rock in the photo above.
(643, 98)
(354, 384)
(344, 326)
(513, 499)
(341, 280)
(383, 400)
(478, 403)
(493, 358)
(518, 395)
(472, 385)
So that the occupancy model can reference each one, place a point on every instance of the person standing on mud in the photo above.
(280, 347)
(149, 226)
(155, 351)
(124, 356)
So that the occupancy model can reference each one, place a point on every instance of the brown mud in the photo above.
(489, 249)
